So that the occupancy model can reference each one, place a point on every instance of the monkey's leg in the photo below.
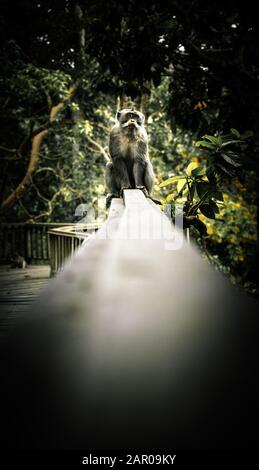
(120, 174)
(139, 169)
(110, 183)
(110, 180)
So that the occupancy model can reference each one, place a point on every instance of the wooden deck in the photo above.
(19, 288)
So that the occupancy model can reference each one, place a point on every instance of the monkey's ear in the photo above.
(118, 115)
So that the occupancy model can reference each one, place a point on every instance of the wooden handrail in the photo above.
(65, 240)
(32, 240)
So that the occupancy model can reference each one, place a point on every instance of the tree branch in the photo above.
(38, 136)
(100, 148)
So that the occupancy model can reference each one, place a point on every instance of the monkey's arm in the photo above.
(114, 144)
(119, 168)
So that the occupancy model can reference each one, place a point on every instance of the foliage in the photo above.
(71, 155)
(198, 64)
(197, 195)
(215, 204)
(230, 244)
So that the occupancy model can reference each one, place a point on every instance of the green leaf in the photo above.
(192, 191)
(207, 210)
(214, 206)
(169, 198)
(212, 139)
(200, 226)
(235, 132)
(191, 167)
(181, 184)
(230, 160)
(171, 180)
(203, 143)
(198, 171)
(226, 170)
(202, 188)
(229, 142)
(217, 195)
(210, 173)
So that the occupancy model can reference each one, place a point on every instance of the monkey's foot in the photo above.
(143, 189)
(109, 198)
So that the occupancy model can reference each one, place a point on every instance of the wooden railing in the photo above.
(42, 243)
(64, 241)
(29, 240)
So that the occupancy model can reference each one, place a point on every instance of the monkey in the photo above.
(18, 261)
(130, 166)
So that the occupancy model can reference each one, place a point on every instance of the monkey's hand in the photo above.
(143, 189)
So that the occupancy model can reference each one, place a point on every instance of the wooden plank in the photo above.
(18, 293)
(22, 292)
(31, 272)
(29, 243)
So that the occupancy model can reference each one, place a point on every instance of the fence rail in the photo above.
(64, 241)
(29, 240)
(42, 243)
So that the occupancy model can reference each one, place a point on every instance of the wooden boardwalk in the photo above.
(19, 288)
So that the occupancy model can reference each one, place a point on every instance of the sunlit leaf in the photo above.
(171, 180)
(169, 198)
(181, 184)
(191, 167)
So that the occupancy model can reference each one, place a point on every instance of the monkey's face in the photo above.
(131, 122)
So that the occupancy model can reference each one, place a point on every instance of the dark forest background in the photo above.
(191, 66)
